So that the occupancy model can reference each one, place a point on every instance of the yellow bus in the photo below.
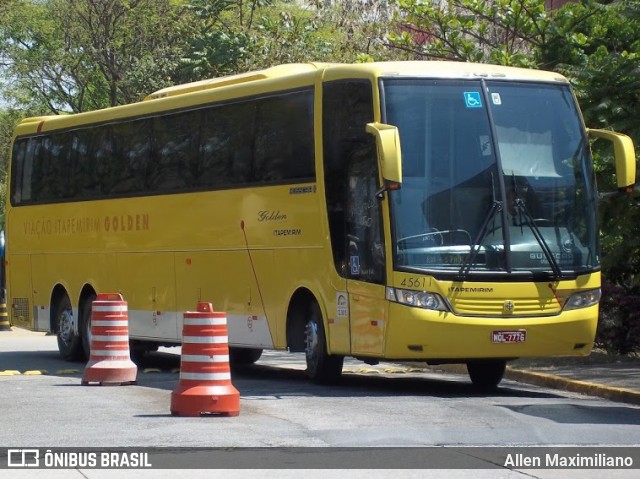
(423, 211)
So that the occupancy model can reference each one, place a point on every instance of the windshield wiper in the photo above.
(496, 207)
(544, 246)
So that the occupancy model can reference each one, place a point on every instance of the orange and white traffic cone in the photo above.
(110, 360)
(205, 375)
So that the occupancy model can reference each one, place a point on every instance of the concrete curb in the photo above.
(583, 387)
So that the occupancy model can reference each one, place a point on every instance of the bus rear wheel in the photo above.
(69, 341)
(486, 374)
(85, 325)
(322, 367)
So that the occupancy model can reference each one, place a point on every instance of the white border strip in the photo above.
(206, 376)
(202, 358)
(205, 339)
(116, 322)
(110, 338)
(205, 321)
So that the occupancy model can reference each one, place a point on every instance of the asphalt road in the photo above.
(391, 405)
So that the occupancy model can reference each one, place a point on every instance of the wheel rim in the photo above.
(65, 327)
(311, 343)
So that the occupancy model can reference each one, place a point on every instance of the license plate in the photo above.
(519, 336)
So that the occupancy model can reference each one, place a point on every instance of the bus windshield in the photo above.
(497, 178)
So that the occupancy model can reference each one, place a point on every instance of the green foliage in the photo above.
(236, 36)
(501, 31)
(79, 55)
(619, 321)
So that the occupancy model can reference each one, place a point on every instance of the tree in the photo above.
(237, 36)
(78, 55)
(500, 31)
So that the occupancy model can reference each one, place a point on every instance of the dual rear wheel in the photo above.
(69, 341)
(74, 340)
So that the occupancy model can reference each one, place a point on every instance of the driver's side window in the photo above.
(351, 180)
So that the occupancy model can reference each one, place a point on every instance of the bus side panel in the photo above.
(20, 291)
(311, 269)
(46, 272)
(226, 279)
(147, 282)
(368, 313)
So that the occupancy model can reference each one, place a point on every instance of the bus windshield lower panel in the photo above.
(497, 178)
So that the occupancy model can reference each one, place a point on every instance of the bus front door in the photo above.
(368, 310)
(365, 256)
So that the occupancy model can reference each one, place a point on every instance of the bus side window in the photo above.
(42, 175)
(284, 138)
(83, 181)
(22, 162)
(364, 225)
(225, 151)
(272, 144)
(133, 150)
(175, 143)
(102, 146)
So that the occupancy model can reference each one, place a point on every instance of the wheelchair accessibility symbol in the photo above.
(472, 99)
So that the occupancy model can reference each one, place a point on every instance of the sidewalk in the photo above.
(599, 374)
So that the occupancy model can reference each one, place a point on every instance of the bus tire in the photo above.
(486, 374)
(69, 341)
(244, 356)
(322, 367)
(85, 325)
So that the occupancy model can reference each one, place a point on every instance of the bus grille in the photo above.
(21, 310)
(501, 307)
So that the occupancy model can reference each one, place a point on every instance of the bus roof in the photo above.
(273, 72)
(190, 94)
(446, 69)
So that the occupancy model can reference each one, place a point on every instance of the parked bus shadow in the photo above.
(283, 377)
(269, 382)
(281, 374)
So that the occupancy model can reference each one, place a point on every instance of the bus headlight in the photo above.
(419, 299)
(584, 299)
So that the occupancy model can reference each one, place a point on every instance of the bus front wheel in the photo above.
(244, 356)
(322, 367)
(486, 374)
(69, 341)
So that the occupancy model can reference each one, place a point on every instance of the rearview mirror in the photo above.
(624, 156)
(389, 155)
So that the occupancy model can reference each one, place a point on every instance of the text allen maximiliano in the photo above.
(597, 460)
